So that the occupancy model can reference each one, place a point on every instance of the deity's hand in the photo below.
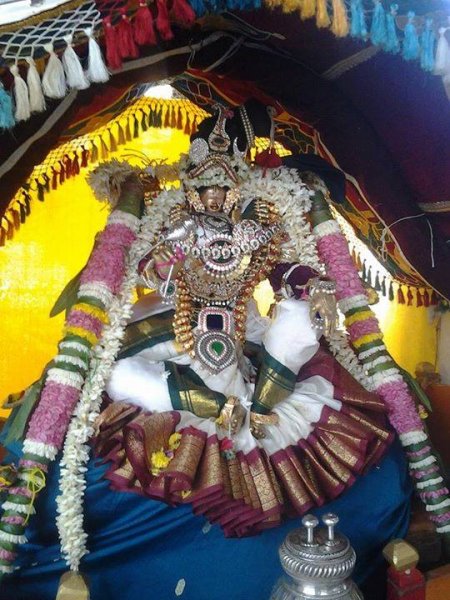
(167, 261)
(323, 308)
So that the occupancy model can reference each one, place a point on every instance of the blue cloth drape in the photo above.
(141, 549)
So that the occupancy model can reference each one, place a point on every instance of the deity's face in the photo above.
(213, 198)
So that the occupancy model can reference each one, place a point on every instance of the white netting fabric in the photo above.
(29, 41)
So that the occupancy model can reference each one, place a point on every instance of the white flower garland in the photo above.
(76, 449)
(346, 356)
(285, 189)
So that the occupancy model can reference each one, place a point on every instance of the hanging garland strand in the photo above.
(384, 375)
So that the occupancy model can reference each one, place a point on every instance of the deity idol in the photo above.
(245, 418)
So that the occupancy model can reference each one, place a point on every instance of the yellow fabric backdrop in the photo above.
(55, 243)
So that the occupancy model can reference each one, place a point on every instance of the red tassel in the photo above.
(426, 298)
(54, 178)
(75, 170)
(410, 296)
(127, 46)
(268, 159)
(112, 46)
(183, 13)
(62, 173)
(67, 166)
(84, 156)
(162, 21)
(143, 27)
(400, 295)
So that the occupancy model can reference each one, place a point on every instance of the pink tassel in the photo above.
(112, 47)
(127, 46)
(183, 13)
(144, 30)
(162, 21)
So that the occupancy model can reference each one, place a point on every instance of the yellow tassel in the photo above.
(289, 6)
(322, 16)
(308, 9)
(72, 586)
(340, 26)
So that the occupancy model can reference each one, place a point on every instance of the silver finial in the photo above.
(310, 522)
(330, 520)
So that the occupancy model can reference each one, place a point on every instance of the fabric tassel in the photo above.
(22, 212)
(113, 57)
(128, 131)
(54, 178)
(37, 100)
(173, 118)
(75, 77)
(411, 47)
(419, 300)
(322, 16)
(199, 7)
(400, 295)
(426, 299)
(183, 14)
(308, 9)
(427, 41)
(143, 27)
(392, 43)
(409, 297)
(442, 60)
(158, 118)
(378, 28)
(94, 153)
(358, 27)
(96, 71)
(369, 277)
(162, 21)
(104, 149)
(434, 298)
(75, 170)
(121, 135)
(112, 142)
(84, 156)
(6, 109)
(53, 80)
(144, 123)
(167, 118)
(377, 286)
(359, 262)
(10, 229)
(127, 45)
(72, 586)
(364, 272)
(187, 126)
(68, 166)
(391, 291)
(339, 26)
(22, 102)
(135, 127)
(40, 191)
(2, 236)
(15, 217)
(62, 172)
(179, 120)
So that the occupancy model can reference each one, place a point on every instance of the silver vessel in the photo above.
(318, 563)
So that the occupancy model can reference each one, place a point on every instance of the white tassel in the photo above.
(442, 61)
(97, 71)
(22, 109)
(37, 100)
(53, 80)
(75, 75)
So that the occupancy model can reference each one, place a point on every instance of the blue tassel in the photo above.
(198, 6)
(427, 40)
(392, 43)
(378, 28)
(411, 47)
(6, 109)
(358, 27)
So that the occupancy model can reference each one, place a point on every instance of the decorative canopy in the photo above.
(381, 117)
